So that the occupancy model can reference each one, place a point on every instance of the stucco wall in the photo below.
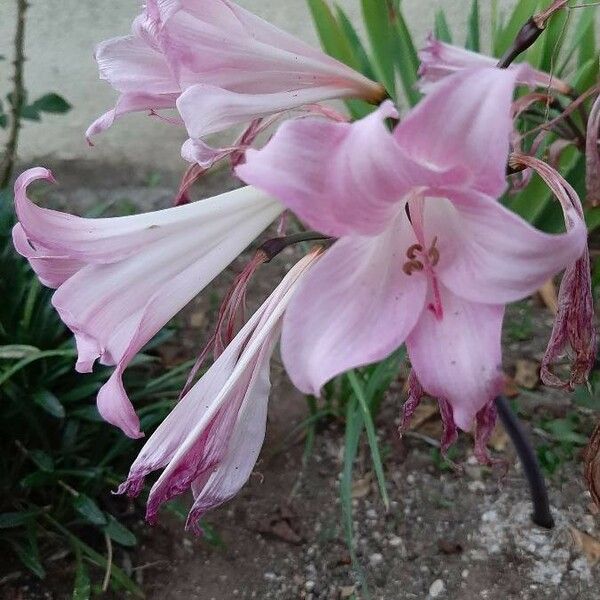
(60, 39)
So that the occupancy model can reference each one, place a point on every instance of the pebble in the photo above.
(437, 588)
(372, 514)
(375, 559)
(309, 586)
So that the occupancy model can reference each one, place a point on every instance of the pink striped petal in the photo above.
(438, 60)
(489, 254)
(212, 438)
(465, 122)
(340, 178)
(458, 358)
(354, 308)
(135, 272)
(127, 103)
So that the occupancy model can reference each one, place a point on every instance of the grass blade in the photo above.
(360, 53)
(441, 28)
(359, 392)
(407, 57)
(376, 15)
(473, 41)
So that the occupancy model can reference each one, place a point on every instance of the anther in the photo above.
(411, 266)
(414, 251)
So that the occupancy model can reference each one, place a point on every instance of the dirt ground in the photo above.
(447, 535)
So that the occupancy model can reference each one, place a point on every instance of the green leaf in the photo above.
(376, 15)
(119, 533)
(89, 510)
(592, 219)
(42, 460)
(473, 28)
(16, 351)
(52, 103)
(336, 43)
(50, 403)
(360, 53)
(354, 427)
(10, 520)
(29, 556)
(522, 12)
(441, 28)
(82, 588)
(31, 113)
(371, 436)
(563, 430)
(407, 58)
(333, 40)
(117, 574)
(3, 120)
(6, 375)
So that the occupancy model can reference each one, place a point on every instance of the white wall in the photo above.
(60, 39)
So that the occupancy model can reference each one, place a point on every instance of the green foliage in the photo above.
(58, 460)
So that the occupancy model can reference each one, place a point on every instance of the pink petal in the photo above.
(464, 122)
(339, 178)
(127, 103)
(245, 441)
(489, 254)
(217, 43)
(221, 418)
(458, 358)
(131, 66)
(355, 307)
(438, 60)
(135, 273)
(209, 109)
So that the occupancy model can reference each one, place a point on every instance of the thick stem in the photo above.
(18, 98)
(542, 514)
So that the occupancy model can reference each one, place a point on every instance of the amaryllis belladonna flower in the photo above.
(438, 60)
(221, 66)
(212, 439)
(120, 280)
(426, 254)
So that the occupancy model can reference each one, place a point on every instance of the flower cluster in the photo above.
(423, 253)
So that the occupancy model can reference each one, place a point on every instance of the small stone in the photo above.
(465, 573)
(395, 541)
(375, 559)
(372, 514)
(309, 586)
(437, 588)
(270, 576)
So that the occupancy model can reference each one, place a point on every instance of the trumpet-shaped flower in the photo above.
(426, 255)
(438, 60)
(220, 65)
(212, 439)
(120, 280)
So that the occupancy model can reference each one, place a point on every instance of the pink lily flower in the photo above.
(438, 60)
(426, 255)
(120, 280)
(212, 439)
(220, 65)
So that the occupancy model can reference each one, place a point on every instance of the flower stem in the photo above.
(7, 164)
(542, 514)
(271, 248)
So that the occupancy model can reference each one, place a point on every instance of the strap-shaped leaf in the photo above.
(377, 16)
(473, 37)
